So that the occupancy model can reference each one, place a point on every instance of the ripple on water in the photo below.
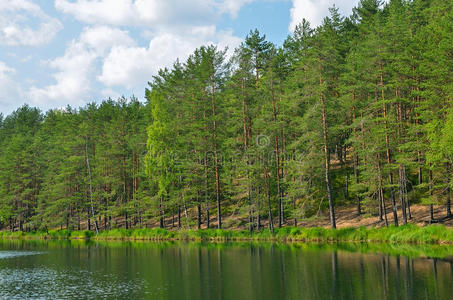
(12, 254)
(47, 283)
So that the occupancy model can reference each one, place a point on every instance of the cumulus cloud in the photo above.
(15, 19)
(76, 68)
(174, 29)
(72, 78)
(104, 58)
(132, 66)
(315, 10)
(102, 38)
(149, 12)
(232, 7)
(9, 90)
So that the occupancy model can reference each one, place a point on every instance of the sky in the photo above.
(55, 53)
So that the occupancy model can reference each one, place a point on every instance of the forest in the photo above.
(354, 113)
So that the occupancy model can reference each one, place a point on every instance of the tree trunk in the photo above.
(356, 161)
(294, 206)
(381, 210)
(384, 208)
(381, 194)
(245, 138)
(408, 204)
(179, 217)
(173, 217)
(206, 194)
(277, 158)
(90, 184)
(161, 213)
(448, 206)
(402, 171)
(402, 200)
(356, 175)
(431, 193)
(420, 172)
(387, 146)
(258, 211)
(198, 211)
(217, 174)
(327, 159)
(268, 192)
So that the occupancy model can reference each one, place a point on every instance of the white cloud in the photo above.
(110, 93)
(15, 19)
(114, 12)
(233, 6)
(133, 66)
(76, 69)
(174, 29)
(138, 12)
(72, 78)
(5, 71)
(316, 10)
(9, 90)
(149, 12)
(105, 59)
(102, 38)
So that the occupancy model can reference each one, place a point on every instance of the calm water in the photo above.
(39, 270)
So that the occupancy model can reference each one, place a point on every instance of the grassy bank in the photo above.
(409, 234)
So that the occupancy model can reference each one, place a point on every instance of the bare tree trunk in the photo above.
(381, 194)
(161, 212)
(384, 207)
(294, 205)
(420, 172)
(244, 127)
(327, 159)
(408, 204)
(387, 146)
(392, 193)
(89, 221)
(268, 192)
(173, 217)
(356, 175)
(91, 185)
(381, 213)
(356, 162)
(179, 217)
(198, 211)
(277, 158)
(448, 206)
(402, 172)
(258, 211)
(216, 159)
(402, 200)
(206, 194)
(431, 193)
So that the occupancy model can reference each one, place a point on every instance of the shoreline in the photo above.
(403, 235)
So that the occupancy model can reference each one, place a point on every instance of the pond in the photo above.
(79, 270)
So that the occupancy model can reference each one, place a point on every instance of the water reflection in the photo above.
(10, 254)
(239, 271)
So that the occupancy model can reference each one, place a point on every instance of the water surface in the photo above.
(77, 270)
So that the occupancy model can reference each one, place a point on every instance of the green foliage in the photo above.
(356, 111)
(391, 236)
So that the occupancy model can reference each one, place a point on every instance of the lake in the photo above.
(79, 270)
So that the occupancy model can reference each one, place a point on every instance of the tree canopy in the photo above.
(356, 112)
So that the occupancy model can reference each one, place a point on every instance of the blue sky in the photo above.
(55, 53)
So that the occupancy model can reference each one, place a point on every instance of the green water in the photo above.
(75, 270)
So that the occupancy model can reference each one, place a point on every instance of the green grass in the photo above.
(409, 234)
(411, 241)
